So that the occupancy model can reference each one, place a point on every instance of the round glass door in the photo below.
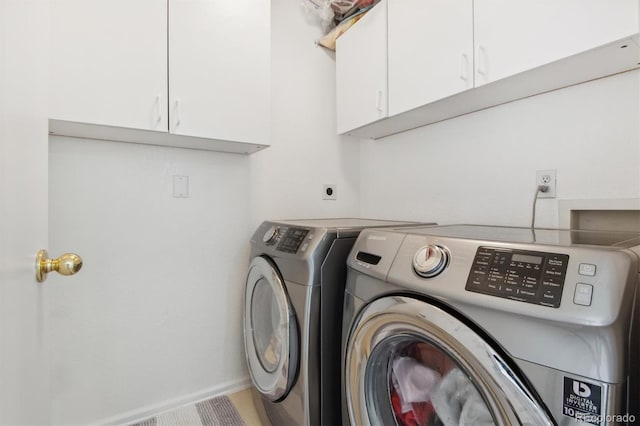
(409, 362)
(424, 386)
(270, 331)
(267, 325)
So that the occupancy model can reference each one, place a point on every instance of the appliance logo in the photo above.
(581, 389)
(582, 401)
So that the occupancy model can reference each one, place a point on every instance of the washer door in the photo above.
(270, 331)
(410, 362)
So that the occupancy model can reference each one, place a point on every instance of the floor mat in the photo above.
(217, 411)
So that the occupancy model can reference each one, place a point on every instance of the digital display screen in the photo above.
(526, 258)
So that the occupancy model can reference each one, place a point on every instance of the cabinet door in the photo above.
(361, 71)
(512, 36)
(430, 51)
(219, 69)
(108, 62)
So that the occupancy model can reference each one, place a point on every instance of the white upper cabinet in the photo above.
(108, 62)
(185, 73)
(219, 69)
(361, 71)
(430, 51)
(512, 36)
(446, 58)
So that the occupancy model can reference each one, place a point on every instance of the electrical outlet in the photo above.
(330, 192)
(548, 178)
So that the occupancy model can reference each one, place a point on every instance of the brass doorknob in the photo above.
(67, 264)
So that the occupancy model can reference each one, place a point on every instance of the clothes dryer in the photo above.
(467, 324)
(293, 316)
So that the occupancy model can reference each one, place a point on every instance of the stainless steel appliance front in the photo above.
(530, 326)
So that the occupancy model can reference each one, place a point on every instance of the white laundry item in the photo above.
(475, 411)
(413, 381)
(457, 401)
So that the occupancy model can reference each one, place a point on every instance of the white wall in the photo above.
(480, 168)
(287, 179)
(154, 317)
(155, 313)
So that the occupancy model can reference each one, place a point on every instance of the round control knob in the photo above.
(271, 235)
(430, 260)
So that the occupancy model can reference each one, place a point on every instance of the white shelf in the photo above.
(148, 137)
(600, 62)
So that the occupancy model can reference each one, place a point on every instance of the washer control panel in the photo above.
(291, 239)
(525, 276)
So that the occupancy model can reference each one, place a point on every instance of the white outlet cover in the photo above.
(547, 177)
(180, 186)
(330, 192)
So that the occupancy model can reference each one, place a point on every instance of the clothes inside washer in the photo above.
(411, 395)
(458, 402)
(272, 352)
(413, 381)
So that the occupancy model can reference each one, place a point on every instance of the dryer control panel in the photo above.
(526, 276)
(292, 238)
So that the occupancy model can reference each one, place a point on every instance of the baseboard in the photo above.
(152, 410)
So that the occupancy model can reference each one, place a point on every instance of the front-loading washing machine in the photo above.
(293, 317)
(478, 325)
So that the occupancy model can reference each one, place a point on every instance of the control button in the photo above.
(509, 290)
(493, 287)
(583, 294)
(552, 283)
(430, 260)
(482, 262)
(271, 235)
(555, 261)
(587, 269)
(526, 293)
(476, 282)
(551, 294)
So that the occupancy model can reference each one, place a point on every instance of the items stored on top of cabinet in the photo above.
(336, 17)
(331, 13)
(434, 59)
(198, 77)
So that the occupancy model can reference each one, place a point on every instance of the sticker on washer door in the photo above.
(582, 401)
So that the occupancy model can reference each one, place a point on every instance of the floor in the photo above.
(243, 402)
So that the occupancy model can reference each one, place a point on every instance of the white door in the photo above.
(24, 364)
